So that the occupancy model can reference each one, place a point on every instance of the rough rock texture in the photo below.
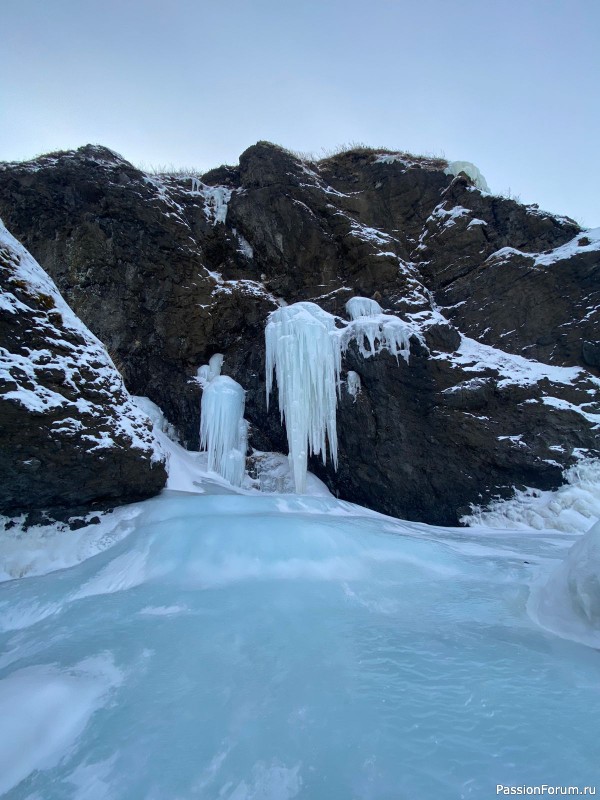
(168, 270)
(70, 437)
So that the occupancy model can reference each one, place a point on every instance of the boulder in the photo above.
(71, 438)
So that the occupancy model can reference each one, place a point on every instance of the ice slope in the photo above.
(284, 647)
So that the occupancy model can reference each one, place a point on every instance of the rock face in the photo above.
(167, 270)
(70, 436)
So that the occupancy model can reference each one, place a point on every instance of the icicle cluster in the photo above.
(303, 350)
(380, 331)
(223, 429)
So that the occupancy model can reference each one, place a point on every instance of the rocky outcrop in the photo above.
(168, 270)
(71, 438)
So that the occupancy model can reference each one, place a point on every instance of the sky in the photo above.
(511, 85)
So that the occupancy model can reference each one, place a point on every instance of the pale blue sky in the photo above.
(512, 85)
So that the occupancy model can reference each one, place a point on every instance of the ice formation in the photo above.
(223, 429)
(568, 602)
(358, 307)
(211, 370)
(571, 508)
(303, 350)
(382, 332)
(320, 617)
(455, 167)
(353, 384)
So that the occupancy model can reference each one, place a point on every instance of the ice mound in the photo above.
(568, 603)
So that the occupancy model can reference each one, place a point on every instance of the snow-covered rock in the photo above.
(70, 434)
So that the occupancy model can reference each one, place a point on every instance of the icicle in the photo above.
(303, 349)
(380, 331)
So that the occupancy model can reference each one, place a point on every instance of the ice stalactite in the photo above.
(370, 326)
(303, 350)
(223, 429)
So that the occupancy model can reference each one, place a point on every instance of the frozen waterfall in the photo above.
(303, 350)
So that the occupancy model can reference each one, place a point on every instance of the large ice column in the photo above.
(223, 429)
(303, 350)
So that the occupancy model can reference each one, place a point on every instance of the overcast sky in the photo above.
(512, 85)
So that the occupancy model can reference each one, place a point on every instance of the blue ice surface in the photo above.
(273, 647)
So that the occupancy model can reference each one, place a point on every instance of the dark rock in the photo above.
(69, 433)
(149, 264)
(590, 352)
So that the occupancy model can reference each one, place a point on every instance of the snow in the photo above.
(448, 216)
(473, 356)
(155, 415)
(572, 248)
(278, 646)
(45, 548)
(587, 241)
(475, 222)
(456, 167)
(303, 352)
(223, 429)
